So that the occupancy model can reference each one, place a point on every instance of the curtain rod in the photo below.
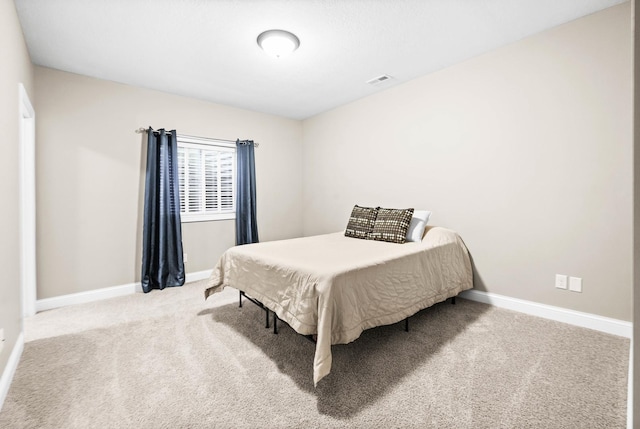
(144, 130)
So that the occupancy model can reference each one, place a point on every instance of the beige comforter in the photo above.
(336, 287)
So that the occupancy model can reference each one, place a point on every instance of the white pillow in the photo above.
(418, 223)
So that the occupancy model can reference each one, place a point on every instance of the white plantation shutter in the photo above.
(227, 181)
(206, 171)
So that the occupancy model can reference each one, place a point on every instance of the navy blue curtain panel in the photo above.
(246, 220)
(162, 259)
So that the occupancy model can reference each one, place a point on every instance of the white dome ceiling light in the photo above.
(278, 43)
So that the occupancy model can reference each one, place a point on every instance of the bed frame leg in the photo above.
(275, 323)
(453, 300)
(266, 319)
(240, 299)
(406, 324)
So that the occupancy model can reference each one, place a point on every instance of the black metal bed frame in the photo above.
(275, 316)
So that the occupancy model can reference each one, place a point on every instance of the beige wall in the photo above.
(636, 217)
(91, 172)
(525, 151)
(15, 68)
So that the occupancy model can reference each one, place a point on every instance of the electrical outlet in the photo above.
(561, 281)
(185, 258)
(575, 284)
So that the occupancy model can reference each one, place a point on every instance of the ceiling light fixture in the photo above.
(278, 43)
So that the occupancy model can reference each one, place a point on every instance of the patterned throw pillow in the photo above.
(391, 225)
(361, 222)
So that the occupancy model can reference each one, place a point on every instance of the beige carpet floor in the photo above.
(169, 359)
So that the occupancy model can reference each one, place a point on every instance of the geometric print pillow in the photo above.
(361, 222)
(391, 225)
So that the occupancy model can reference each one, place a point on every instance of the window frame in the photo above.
(201, 143)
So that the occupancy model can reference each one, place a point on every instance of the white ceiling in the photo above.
(207, 49)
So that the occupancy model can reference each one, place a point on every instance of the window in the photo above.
(206, 170)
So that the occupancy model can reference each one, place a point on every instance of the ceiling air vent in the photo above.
(378, 80)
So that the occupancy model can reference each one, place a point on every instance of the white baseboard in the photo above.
(198, 275)
(577, 318)
(104, 293)
(84, 297)
(630, 388)
(10, 368)
(585, 320)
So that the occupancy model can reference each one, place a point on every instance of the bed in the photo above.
(334, 287)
